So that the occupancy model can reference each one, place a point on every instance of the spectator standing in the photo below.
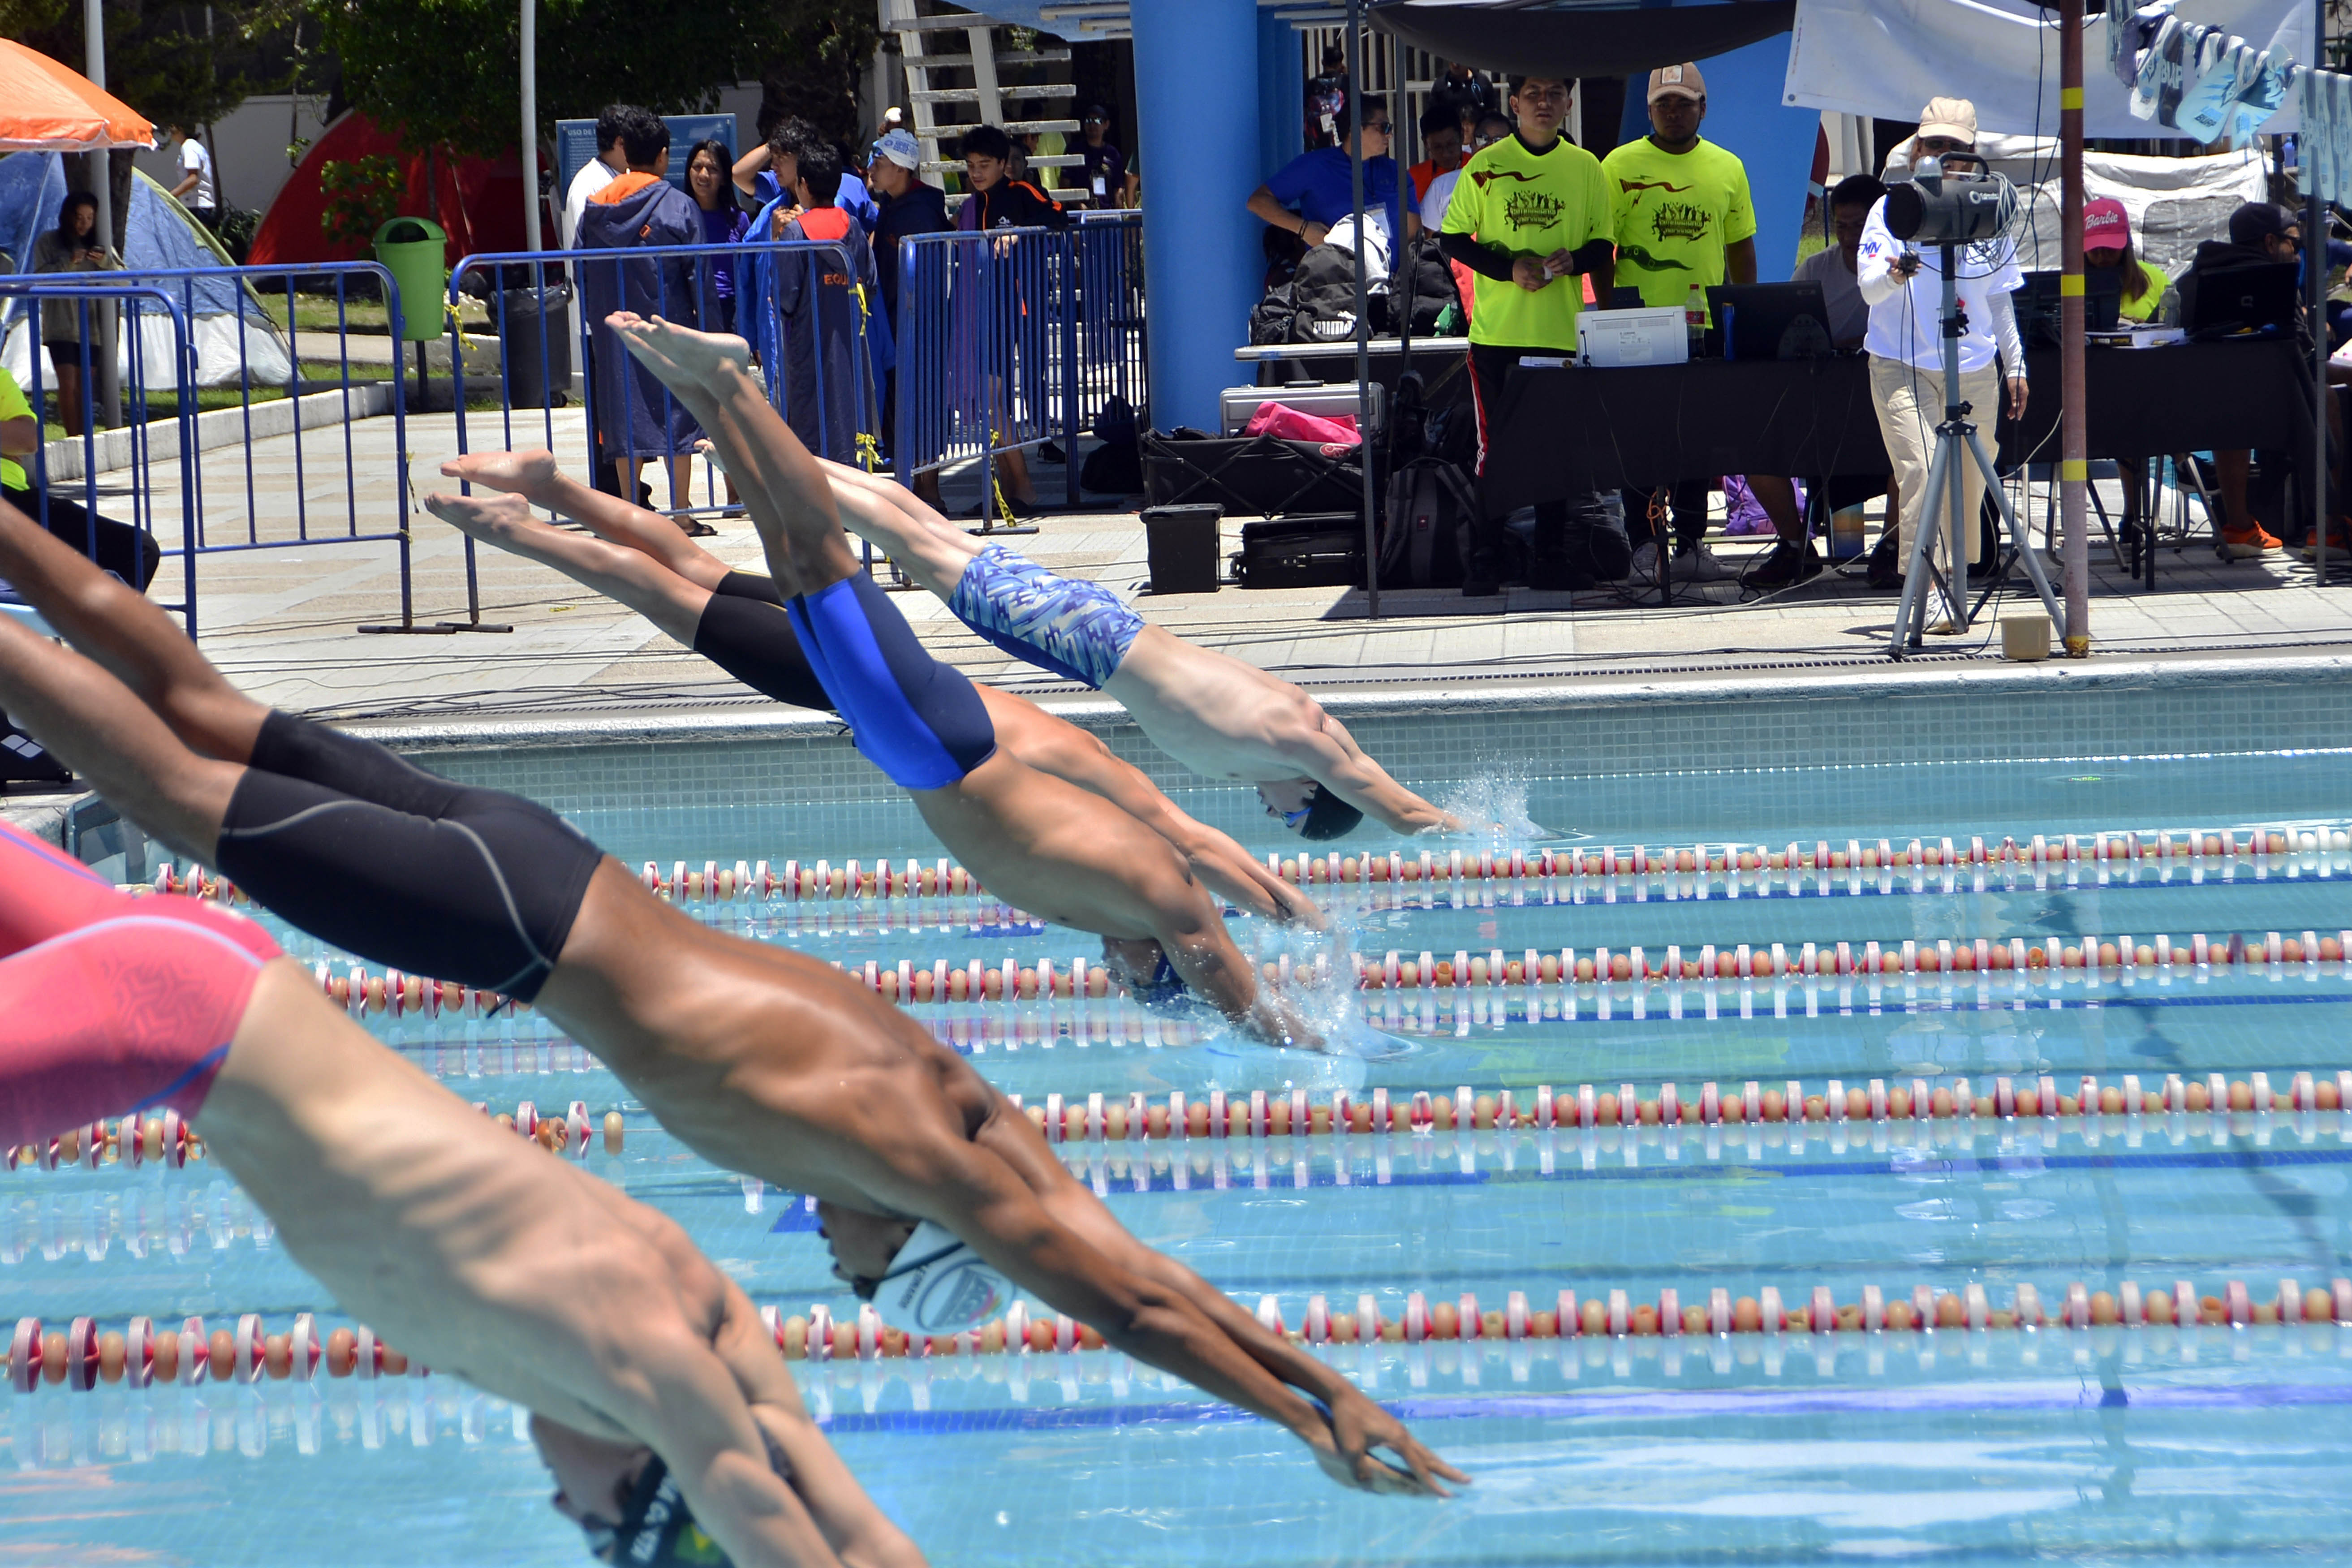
(766, 171)
(1904, 289)
(196, 192)
(1042, 144)
(709, 181)
(1470, 94)
(609, 164)
(1683, 222)
(1106, 165)
(1530, 218)
(637, 418)
(823, 313)
(1440, 138)
(998, 202)
(1490, 129)
(910, 206)
(130, 553)
(1317, 189)
(1794, 559)
(71, 247)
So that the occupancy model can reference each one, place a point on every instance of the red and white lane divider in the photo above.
(81, 1357)
(1613, 1314)
(711, 881)
(2268, 955)
(168, 1141)
(1259, 1113)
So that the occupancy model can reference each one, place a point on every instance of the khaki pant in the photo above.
(1910, 404)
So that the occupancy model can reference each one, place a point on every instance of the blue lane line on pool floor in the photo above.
(1614, 1405)
(796, 1218)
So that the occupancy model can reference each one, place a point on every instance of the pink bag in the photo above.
(1279, 419)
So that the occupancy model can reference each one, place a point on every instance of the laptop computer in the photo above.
(2037, 304)
(2235, 300)
(1770, 320)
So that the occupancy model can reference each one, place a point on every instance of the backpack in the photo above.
(1323, 297)
(1425, 531)
(1269, 318)
(1423, 286)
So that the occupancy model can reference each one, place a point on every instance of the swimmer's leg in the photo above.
(636, 578)
(132, 639)
(108, 736)
(533, 476)
(783, 490)
(926, 546)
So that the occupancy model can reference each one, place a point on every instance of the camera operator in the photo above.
(1904, 291)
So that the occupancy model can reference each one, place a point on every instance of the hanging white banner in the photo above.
(1886, 58)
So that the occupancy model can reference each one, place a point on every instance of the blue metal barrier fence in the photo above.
(1011, 338)
(224, 341)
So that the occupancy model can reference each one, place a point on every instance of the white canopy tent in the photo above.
(1886, 58)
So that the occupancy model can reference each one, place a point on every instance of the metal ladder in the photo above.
(917, 32)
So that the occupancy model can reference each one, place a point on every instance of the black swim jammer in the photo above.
(401, 867)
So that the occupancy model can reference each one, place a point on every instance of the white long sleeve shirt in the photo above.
(1905, 315)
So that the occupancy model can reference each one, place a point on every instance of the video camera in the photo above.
(1942, 205)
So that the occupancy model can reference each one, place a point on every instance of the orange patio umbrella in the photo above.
(47, 107)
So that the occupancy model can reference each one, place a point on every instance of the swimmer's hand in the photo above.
(1346, 1447)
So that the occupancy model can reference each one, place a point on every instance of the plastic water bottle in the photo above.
(1695, 320)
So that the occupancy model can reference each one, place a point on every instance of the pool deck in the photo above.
(281, 623)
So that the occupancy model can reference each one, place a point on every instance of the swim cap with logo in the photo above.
(937, 1285)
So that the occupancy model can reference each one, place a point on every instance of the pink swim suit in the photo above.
(110, 1003)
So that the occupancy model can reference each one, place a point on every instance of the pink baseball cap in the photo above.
(2106, 224)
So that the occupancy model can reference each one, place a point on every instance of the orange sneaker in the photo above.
(2339, 542)
(2250, 542)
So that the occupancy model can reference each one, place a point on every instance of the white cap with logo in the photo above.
(938, 1285)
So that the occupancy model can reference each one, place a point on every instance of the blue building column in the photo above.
(1281, 93)
(1196, 102)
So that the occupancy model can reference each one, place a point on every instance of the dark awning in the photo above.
(1570, 39)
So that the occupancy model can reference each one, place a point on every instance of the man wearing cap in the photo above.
(1530, 218)
(1905, 290)
(1681, 218)
(909, 204)
(1105, 170)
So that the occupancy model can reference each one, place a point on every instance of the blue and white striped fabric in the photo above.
(1075, 628)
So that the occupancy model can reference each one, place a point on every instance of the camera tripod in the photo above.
(1957, 443)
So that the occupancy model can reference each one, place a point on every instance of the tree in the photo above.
(176, 64)
(443, 72)
(811, 55)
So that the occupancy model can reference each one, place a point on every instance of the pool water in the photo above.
(2099, 1443)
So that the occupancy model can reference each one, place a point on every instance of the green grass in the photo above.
(317, 313)
(163, 405)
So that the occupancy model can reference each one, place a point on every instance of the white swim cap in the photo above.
(937, 1285)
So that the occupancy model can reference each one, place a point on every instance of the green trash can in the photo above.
(412, 250)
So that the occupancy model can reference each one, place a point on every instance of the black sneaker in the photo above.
(1481, 575)
(1787, 563)
(1886, 569)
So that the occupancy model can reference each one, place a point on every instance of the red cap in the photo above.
(2106, 224)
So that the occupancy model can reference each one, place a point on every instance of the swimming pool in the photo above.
(1967, 1444)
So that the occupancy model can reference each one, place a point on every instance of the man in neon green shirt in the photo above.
(1681, 218)
(1530, 218)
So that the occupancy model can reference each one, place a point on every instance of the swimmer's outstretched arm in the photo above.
(484, 1258)
(1330, 755)
(1074, 756)
(1006, 1195)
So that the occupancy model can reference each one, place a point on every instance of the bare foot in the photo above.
(517, 473)
(685, 360)
(494, 520)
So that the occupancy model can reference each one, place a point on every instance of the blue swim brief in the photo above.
(1075, 628)
(916, 719)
